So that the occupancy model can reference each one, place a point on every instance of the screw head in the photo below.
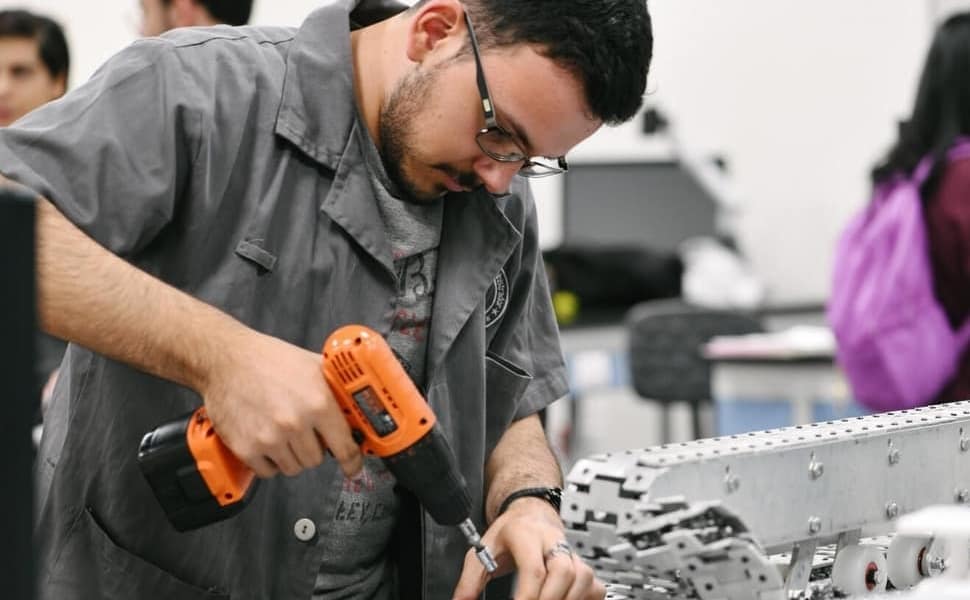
(936, 565)
(731, 483)
(814, 525)
(894, 456)
(815, 469)
(964, 444)
(963, 496)
(892, 510)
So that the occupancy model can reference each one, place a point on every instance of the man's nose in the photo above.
(496, 176)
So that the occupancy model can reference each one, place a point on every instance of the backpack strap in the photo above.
(922, 171)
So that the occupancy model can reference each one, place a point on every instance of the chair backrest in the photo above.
(665, 340)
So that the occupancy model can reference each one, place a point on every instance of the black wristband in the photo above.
(552, 495)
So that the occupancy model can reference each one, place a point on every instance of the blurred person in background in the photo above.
(940, 118)
(34, 62)
(158, 16)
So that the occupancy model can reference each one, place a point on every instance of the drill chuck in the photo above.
(428, 469)
(474, 540)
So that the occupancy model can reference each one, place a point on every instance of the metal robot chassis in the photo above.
(801, 512)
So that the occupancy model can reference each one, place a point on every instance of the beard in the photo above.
(398, 148)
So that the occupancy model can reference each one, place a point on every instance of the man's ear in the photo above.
(436, 25)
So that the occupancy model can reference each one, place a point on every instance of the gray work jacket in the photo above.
(224, 162)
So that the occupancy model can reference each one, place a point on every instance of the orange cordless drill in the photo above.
(199, 481)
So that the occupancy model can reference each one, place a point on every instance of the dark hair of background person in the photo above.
(230, 12)
(941, 112)
(607, 43)
(51, 42)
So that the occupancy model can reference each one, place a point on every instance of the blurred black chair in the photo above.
(665, 339)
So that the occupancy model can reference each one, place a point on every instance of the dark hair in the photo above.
(230, 12)
(941, 112)
(51, 43)
(607, 43)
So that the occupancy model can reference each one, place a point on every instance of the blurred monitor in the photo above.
(653, 204)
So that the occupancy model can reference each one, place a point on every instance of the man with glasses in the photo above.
(218, 201)
(34, 65)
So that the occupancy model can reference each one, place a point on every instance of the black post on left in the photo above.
(17, 402)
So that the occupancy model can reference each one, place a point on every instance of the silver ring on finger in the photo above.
(561, 548)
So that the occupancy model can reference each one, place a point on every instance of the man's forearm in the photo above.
(88, 295)
(266, 397)
(521, 459)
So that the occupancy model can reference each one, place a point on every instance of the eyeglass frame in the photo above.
(492, 126)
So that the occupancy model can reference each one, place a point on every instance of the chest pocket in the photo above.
(505, 382)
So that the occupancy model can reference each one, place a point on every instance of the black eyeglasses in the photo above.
(500, 145)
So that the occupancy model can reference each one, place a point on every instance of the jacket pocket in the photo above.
(124, 575)
(502, 368)
(505, 383)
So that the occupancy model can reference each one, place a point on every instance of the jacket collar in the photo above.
(477, 239)
(317, 110)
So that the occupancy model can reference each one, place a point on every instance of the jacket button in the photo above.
(304, 529)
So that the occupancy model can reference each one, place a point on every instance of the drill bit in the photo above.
(474, 540)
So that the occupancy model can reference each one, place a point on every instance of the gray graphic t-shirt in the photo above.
(356, 540)
(355, 564)
(414, 232)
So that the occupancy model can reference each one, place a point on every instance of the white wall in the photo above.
(801, 96)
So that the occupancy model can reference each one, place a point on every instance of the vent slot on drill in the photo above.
(347, 368)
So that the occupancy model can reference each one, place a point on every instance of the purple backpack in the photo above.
(895, 344)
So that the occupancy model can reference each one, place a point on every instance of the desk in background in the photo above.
(754, 394)
(782, 378)
(750, 390)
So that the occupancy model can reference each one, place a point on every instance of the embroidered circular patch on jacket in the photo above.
(496, 299)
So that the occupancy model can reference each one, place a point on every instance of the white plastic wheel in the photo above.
(904, 560)
(859, 570)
